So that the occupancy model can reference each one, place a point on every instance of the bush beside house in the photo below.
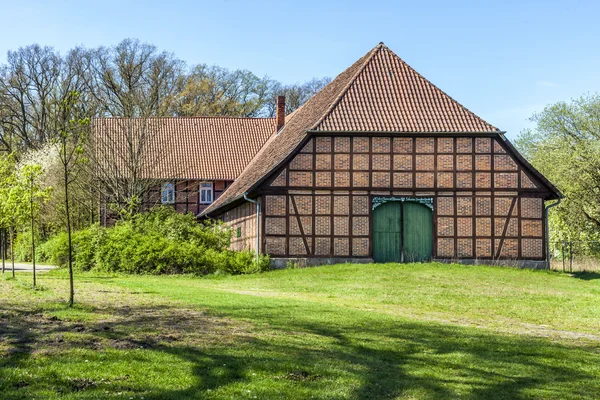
(161, 241)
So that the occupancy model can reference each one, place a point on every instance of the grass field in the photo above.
(390, 331)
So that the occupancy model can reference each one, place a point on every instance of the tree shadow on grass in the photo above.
(293, 355)
(586, 276)
(434, 362)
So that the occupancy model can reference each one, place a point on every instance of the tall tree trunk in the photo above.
(3, 247)
(12, 249)
(68, 215)
(32, 233)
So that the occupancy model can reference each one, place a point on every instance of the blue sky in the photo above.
(504, 60)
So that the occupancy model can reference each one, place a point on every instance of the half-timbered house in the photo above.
(382, 165)
(191, 160)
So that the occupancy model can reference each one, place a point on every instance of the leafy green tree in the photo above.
(7, 168)
(72, 126)
(565, 147)
(29, 189)
(12, 207)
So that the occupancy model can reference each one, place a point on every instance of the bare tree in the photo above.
(70, 141)
(133, 84)
(296, 94)
(27, 85)
(133, 80)
(70, 133)
(136, 85)
(218, 91)
(130, 159)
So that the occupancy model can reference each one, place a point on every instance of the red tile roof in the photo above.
(378, 93)
(203, 148)
(387, 95)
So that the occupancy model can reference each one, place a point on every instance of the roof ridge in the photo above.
(437, 88)
(346, 87)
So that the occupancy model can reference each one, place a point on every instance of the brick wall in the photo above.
(317, 223)
(404, 163)
(486, 205)
(187, 199)
(242, 222)
(187, 194)
(498, 225)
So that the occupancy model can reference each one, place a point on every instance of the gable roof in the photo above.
(203, 148)
(387, 95)
(378, 93)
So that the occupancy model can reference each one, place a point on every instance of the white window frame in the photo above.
(206, 188)
(167, 193)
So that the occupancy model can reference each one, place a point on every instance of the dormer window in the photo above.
(206, 193)
(168, 193)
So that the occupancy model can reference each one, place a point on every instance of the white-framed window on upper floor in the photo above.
(206, 193)
(167, 193)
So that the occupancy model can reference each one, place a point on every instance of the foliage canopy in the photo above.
(565, 147)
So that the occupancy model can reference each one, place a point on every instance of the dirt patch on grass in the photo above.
(105, 319)
(546, 331)
(301, 376)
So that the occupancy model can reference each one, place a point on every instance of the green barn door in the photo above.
(402, 232)
(387, 232)
(418, 232)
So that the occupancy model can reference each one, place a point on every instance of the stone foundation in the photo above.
(280, 263)
(529, 264)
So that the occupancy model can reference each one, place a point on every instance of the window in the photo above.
(206, 193)
(168, 193)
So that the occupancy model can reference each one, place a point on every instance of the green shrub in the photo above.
(22, 246)
(85, 246)
(241, 262)
(161, 241)
(54, 251)
(166, 222)
(136, 253)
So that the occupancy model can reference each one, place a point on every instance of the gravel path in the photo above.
(20, 267)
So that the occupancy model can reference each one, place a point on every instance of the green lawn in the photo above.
(335, 332)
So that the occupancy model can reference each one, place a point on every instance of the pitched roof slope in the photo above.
(378, 93)
(279, 146)
(390, 96)
(203, 148)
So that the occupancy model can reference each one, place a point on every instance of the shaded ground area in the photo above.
(187, 338)
(47, 350)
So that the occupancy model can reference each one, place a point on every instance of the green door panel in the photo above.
(387, 232)
(417, 232)
(402, 232)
